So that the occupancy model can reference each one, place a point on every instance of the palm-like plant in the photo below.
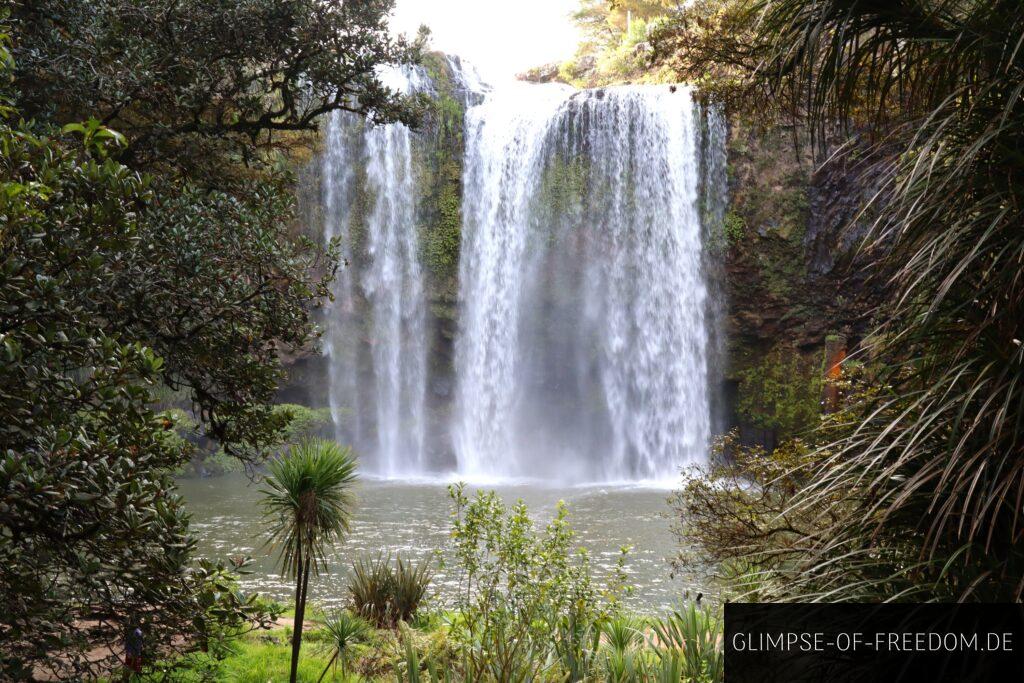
(693, 632)
(930, 469)
(935, 468)
(387, 594)
(344, 630)
(309, 497)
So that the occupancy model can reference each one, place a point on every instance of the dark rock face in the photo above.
(792, 274)
(838, 191)
(786, 272)
(790, 270)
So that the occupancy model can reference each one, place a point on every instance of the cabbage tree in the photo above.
(309, 496)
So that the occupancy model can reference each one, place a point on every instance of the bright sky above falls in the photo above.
(499, 38)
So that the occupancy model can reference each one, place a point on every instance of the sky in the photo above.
(500, 37)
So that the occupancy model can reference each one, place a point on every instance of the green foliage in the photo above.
(344, 632)
(615, 45)
(308, 498)
(563, 186)
(195, 83)
(710, 44)
(214, 282)
(933, 457)
(89, 520)
(299, 423)
(386, 593)
(370, 589)
(521, 582)
(251, 660)
(409, 588)
(735, 227)
(628, 58)
(147, 261)
(447, 112)
(440, 242)
(696, 633)
(623, 650)
(411, 671)
(176, 425)
(303, 422)
(519, 589)
(220, 323)
(781, 391)
(731, 516)
(441, 203)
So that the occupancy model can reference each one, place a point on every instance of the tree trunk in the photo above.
(301, 584)
(333, 660)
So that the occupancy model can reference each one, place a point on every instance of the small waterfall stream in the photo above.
(586, 333)
(377, 401)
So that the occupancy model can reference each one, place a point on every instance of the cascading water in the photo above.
(714, 202)
(505, 138)
(376, 398)
(586, 332)
(583, 347)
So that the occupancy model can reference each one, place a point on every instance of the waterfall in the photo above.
(376, 337)
(341, 340)
(583, 345)
(505, 138)
(586, 337)
(714, 202)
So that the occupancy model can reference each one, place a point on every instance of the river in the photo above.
(413, 518)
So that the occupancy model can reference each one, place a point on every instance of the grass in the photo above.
(256, 658)
(259, 662)
(627, 653)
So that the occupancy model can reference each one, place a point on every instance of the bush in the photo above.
(734, 515)
(528, 606)
(387, 594)
(781, 391)
(696, 633)
(344, 631)
(303, 422)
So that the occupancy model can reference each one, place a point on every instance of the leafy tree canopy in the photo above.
(93, 539)
(189, 82)
(149, 240)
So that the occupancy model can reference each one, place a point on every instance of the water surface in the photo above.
(413, 518)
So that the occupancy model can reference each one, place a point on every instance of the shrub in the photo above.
(527, 603)
(387, 594)
(344, 631)
(695, 632)
(303, 422)
(528, 609)
(781, 391)
(409, 584)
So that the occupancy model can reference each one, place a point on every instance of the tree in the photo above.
(308, 497)
(931, 469)
(210, 99)
(162, 253)
(191, 83)
(712, 44)
(93, 539)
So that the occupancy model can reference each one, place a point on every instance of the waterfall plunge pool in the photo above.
(412, 518)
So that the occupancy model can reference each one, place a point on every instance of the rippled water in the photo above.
(412, 518)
